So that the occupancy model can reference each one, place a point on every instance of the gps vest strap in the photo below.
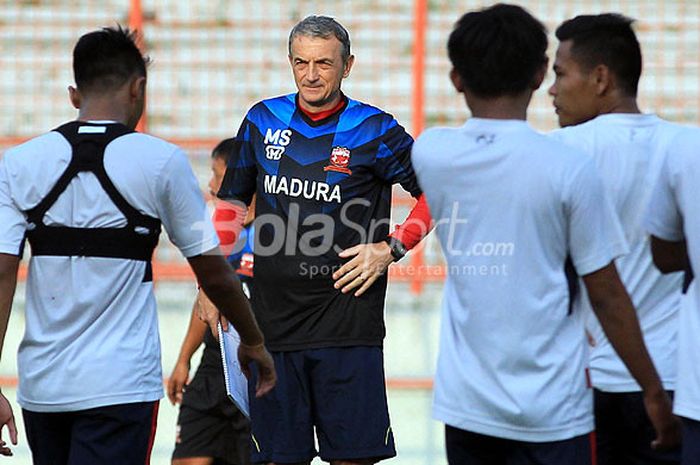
(135, 241)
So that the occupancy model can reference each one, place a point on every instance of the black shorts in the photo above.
(339, 391)
(209, 424)
(691, 442)
(120, 434)
(624, 431)
(467, 448)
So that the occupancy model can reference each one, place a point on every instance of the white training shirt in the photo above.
(510, 206)
(674, 215)
(628, 150)
(91, 336)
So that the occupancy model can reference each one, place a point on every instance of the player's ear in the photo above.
(539, 76)
(348, 66)
(75, 97)
(603, 79)
(456, 80)
(137, 88)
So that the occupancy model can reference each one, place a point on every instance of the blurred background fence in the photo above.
(212, 59)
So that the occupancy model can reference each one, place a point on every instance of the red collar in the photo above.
(325, 113)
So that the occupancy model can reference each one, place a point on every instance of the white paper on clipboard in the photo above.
(235, 380)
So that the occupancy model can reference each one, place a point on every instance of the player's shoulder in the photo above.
(683, 146)
(555, 152)
(559, 150)
(437, 146)
(609, 124)
(671, 129)
(438, 132)
(286, 101)
(686, 137)
(148, 153)
(570, 131)
(362, 109)
(274, 110)
(435, 137)
(147, 143)
(367, 118)
(47, 144)
(577, 134)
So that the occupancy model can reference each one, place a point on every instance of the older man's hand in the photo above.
(369, 262)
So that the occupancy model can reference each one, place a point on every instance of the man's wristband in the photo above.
(398, 250)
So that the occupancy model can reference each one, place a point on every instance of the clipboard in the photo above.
(234, 379)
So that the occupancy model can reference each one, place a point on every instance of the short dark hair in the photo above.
(105, 59)
(225, 148)
(498, 50)
(324, 27)
(606, 39)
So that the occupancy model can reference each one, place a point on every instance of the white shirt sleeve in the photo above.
(425, 158)
(663, 218)
(595, 234)
(182, 210)
(13, 223)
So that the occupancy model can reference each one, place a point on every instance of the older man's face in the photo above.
(318, 68)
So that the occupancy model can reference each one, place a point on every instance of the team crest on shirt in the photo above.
(246, 265)
(340, 159)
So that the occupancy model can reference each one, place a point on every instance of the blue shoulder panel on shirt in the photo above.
(355, 114)
(383, 151)
(361, 123)
(273, 111)
(243, 161)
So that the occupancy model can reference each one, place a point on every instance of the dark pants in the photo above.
(467, 448)
(691, 442)
(116, 434)
(337, 392)
(625, 433)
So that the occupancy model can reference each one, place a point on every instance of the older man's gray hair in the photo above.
(323, 27)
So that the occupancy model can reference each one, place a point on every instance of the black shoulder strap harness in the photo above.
(135, 241)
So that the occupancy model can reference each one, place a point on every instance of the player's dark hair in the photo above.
(225, 148)
(324, 27)
(104, 60)
(498, 50)
(606, 39)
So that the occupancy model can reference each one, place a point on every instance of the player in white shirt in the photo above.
(512, 208)
(90, 197)
(673, 220)
(598, 64)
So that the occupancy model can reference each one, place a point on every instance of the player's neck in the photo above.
(503, 107)
(102, 111)
(622, 105)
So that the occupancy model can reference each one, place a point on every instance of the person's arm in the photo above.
(229, 220)
(616, 314)
(664, 220)
(184, 216)
(220, 283)
(180, 376)
(669, 256)
(8, 282)
(369, 261)
(12, 232)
